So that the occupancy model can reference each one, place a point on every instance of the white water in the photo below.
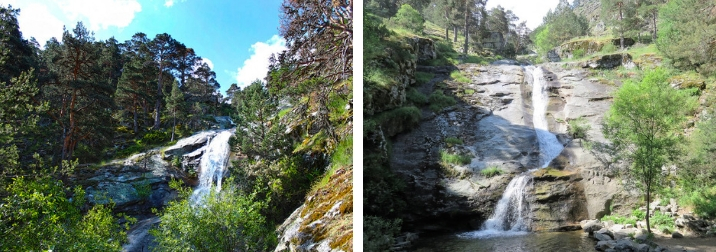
(212, 165)
(549, 146)
(511, 215)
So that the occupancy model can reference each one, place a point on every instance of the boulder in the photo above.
(608, 61)
(590, 226)
(604, 245)
(602, 237)
(424, 48)
(676, 234)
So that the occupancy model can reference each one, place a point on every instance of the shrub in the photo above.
(469, 91)
(379, 233)
(578, 128)
(457, 76)
(439, 101)
(225, 220)
(491, 171)
(638, 214)
(154, 137)
(144, 188)
(578, 53)
(662, 220)
(410, 19)
(457, 159)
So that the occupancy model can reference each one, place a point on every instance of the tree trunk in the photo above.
(446, 33)
(174, 125)
(136, 126)
(158, 105)
(648, 201)
(653, 35)
(454, 31)
(467, 15)
(621, 26)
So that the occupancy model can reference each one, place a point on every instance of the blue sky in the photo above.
(235, 37)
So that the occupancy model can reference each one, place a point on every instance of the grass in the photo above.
(455, 159)
(469, 91)
(416, 97)
(491, 171)
(439, 101)
(453, 141)
(459, 77)
(423, 77)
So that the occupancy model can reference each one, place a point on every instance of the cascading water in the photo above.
(212, 165)
(511, 216)
(549, 146)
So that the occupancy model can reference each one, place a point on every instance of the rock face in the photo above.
(493, 119)
(424, 48)
(324, 222)
(566, 50)
(403, 62)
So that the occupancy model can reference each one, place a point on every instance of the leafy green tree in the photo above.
(410, 19)
(686, 34)
(623, 16)
(649, 10)
(36, 216)
(16, 54)
(643, 124)
(78, 94)
(257, 123)
(224, 221)
(163, 48)
(175, 105)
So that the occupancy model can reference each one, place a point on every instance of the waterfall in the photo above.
(212, 165)
(549, 146)
(511, 215)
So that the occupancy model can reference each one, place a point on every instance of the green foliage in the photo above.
(132, 149)
(459, 77)
(394, 121)
(416, 97)
(686, 33)
(423, 77)
(703, 201)
(37, 216)
(453, 141)
(608, 48)
(456, 159)
(154, 137)
(144, 188)
(638, 214)
(226, 221)
(579, 53)
(650, 102)
(662, 221)
(439, 101)
(379, 233)
(258, 132)
(622, 16)
(620, 219)
(542, 41)
(578, 128)
(410, 19)
(491, 171)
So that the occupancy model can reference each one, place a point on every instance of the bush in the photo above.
(439, 101)
(578, 53)
(491, 171)
(39, 217)
(144, 189)
(661, 221)
(457, 76)
(638, 214)
(457, 159)
(379, 233)
(410, 19)
(155, 137)
(578, 128)
(226, 221)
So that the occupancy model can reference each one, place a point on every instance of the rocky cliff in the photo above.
(493, 120)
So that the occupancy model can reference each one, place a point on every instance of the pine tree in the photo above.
(175, 105)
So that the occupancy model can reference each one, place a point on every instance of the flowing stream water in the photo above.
(511, 215)
(212, 166)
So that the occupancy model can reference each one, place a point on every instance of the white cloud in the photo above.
(169, 3)
(257, 65)
(37, 21)
(101, 14)
(208, 62)
(530, 11)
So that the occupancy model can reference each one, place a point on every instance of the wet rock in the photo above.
(602, 237)
(590, 226)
